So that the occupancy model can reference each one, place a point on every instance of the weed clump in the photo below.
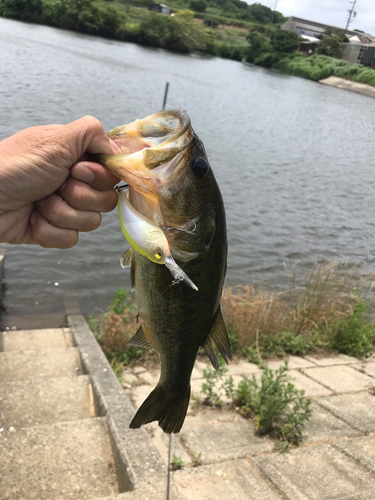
(114, 330)
(215, 386)
(177, 463)
(275, 405)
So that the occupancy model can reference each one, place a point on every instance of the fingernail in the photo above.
(84, 174)
(115, 147)
(32, 218)
(41, 202)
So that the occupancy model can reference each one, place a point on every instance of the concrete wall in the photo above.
(351, 52)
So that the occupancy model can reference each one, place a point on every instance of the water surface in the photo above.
(294, 159)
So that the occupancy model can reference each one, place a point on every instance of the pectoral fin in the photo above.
(139, 339)
(218, 335)
(126, 258)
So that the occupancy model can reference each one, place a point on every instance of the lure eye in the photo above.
(158, 255)
(200, 167)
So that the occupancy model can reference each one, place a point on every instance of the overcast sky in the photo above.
(332, 12)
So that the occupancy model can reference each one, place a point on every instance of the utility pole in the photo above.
(273, 12)
(352, 13)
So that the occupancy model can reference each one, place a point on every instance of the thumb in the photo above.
(87, 135)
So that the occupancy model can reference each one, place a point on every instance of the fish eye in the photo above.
(158, 255)
(200, 167)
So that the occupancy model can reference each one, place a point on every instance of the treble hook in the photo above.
(181, 229)
(121, 188)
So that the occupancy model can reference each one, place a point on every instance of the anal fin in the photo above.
(139, 339)
(218, 335)
(126, 258)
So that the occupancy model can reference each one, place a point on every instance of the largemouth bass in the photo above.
(172, 184)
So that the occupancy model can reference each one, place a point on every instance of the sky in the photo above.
(332, 12)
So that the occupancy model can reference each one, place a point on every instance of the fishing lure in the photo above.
(148, 239)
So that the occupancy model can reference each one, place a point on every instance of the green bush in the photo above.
(354, 335)
(229, 51)
(180, 32)
(285, 342)
(25, 10)
(198, 5)
(275, 405)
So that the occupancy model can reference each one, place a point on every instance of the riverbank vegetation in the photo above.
(232, 30)
(329, 313)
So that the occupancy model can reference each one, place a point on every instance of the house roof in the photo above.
(307, 24)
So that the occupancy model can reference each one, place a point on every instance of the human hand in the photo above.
(48, 193)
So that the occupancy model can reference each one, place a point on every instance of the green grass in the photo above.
(318, 67)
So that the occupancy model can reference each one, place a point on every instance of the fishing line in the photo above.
(176, 281)
(169, 466)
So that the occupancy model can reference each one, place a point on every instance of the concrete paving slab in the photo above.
(358, 410)
(369, 369)
(341, 378)
(317, 473)
(294, 362)
(222, 435)
(129, 378)
(35, 321)
(196, 386)
(339, 359)
(58, 461)
(150, 377)
(234, 480)
(196, 373)
(161, 441)
(138, 394)
(242, 368)
(45, 401)
(25, 340)
(361, 449)
(21, 365)
(312, 389)
(324, 426)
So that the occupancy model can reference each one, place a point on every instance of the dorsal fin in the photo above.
(139, 339)
(126, 258)
(218, 335)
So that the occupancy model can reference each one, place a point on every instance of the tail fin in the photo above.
(167, 409)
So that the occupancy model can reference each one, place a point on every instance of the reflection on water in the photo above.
(294, 159)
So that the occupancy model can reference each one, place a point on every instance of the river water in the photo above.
(294, 159)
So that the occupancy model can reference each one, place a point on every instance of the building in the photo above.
(311, 28)
(359, 50)
(161, 8)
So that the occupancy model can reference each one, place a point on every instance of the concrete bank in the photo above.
(341, 83)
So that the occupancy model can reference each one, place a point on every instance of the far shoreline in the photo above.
(342, 83)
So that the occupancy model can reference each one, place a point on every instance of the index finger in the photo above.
(95, 175)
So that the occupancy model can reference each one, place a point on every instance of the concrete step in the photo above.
(24, 340)
(57, 462)
(22, 365)
(35, 321)
(26, 403)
